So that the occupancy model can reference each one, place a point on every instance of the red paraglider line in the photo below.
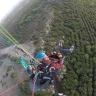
(12, 87)
(33, 87)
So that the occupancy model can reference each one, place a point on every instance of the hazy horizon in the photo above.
(9, 5)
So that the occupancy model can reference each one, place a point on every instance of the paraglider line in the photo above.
(12, 87)
(33, 87)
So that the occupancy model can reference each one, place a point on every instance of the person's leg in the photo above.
(45, 85)
(65, 51)
(58, 46)
(37, 87)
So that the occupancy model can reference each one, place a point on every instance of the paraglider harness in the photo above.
(54, 57)
(46, 70)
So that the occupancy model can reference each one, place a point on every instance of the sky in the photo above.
(6, 6)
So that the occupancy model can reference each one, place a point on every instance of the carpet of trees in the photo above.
(74, 23)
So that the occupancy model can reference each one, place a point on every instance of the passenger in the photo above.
(55, 59)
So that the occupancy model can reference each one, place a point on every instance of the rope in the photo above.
(5, 42)
(35, 78)
(14, 41)
(6, 34)
(12, 87)
(33, 87)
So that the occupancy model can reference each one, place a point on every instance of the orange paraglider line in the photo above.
(13, 86)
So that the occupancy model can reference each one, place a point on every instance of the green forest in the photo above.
(75, 23)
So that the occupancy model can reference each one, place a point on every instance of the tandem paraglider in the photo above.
(46, 68)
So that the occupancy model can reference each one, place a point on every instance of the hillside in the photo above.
(73, 21)
(12, 19)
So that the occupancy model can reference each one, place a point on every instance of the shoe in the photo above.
(60, 94)
(71, 48)
(60, 43)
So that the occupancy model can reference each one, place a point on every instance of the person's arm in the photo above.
(58, 65)
(24, 64)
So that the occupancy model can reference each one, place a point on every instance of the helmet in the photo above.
(40, 55)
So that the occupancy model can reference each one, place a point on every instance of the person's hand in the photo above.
(18, 55)
(59, 55)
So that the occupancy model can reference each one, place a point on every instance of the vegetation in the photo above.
(43, 93)
(1, 62)
(24, 89)
(32, 23)
(4, 56)
(15, 77)
(75, 23)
